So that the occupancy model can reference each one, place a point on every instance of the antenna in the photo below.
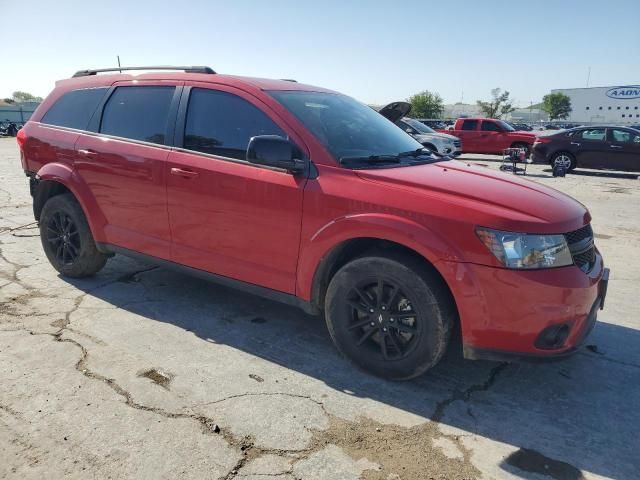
(588, 75)
(119, 62)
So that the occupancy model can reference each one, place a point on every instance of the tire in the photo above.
(566, 158)
(67, 240)
(405, 335)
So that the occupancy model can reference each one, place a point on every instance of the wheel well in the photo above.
(349, 250)
(43, 191)
(518, 144)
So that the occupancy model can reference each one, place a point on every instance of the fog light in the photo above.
(553, 337)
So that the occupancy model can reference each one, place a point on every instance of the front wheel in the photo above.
(387, 318)
(563, 160)
(67, 240)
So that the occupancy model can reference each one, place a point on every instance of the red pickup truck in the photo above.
(488, 135)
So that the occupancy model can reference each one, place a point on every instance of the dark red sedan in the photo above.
(615, 148)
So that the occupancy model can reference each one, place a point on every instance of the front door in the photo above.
(593, 151)
(124, 165)
(228, 216)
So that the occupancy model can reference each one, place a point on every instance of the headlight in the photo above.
(519, 250)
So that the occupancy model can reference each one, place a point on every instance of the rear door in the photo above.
(123, 163)
(593, 150)
(470, 135)
(228, 216)
(624, 146)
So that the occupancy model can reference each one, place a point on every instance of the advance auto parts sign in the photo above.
(624, 93)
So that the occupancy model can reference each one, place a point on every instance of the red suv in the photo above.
(309, 197)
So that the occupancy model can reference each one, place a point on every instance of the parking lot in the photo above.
(141, 372)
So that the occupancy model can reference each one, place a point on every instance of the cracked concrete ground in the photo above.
(144, 373)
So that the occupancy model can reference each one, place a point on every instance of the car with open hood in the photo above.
(309, 197)
(441, 143)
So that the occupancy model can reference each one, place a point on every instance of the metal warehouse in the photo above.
(617, 104)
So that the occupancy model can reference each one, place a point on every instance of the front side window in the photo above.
(419, 126)
(490, 127)
(139, 113)
(593, 134)
(220, 123)
(74, 109)
(346, 127)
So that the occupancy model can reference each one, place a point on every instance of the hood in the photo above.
(528, 136)
(482, 196)
(395, 111)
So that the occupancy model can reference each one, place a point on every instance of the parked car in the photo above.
(306, 196)
(8, 129)
(434, 124)
(521, 127)
(488, 135)
(616, 148)
(429, 138)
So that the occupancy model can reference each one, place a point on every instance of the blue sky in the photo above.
(376, 51)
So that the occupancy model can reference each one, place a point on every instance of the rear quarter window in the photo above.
(75, 108)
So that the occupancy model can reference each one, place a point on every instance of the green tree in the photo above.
(498, 106)
(557, 105)
(20, 97)
(426, 105)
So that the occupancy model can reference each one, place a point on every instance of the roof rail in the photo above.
(193, 69)
(289, 80)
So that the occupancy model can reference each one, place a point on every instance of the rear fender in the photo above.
(63, 174)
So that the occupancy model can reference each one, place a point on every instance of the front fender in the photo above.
(65, 175)
(403, 231)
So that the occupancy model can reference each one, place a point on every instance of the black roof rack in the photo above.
(289, 80)
(193, 69)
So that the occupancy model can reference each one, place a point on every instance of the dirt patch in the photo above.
(255, 377)
(158, 377)
(403, 453)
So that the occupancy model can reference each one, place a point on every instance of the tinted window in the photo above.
(139, 113)
(345, 126)
(624, 136)
(74, 109)
(593, 134)
(222, 124)
(469, 124)
(490, 127)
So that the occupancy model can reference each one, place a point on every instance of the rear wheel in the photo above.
(387, 318)
(564, 159)
(67, 240)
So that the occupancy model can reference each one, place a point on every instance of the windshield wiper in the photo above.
(371, 159)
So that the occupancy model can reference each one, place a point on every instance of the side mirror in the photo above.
(274, 151)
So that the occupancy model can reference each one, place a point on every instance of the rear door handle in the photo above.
(575, 143)
(86, 152)
(181, 172)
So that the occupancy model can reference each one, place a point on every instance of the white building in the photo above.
(617, 105)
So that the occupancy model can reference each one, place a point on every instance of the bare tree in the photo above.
(498, 106)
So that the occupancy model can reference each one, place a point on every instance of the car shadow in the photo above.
(601, 173)
(572, 416)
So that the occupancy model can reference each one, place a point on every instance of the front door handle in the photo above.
(575, 143)
(86, 152)
(616, 146)
(181, 172)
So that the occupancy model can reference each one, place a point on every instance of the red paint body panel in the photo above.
(478, 141)
(273, 229)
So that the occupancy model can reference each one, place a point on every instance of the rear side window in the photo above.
(74, 109)
(221, 123)
(139, 113)
(469, 124)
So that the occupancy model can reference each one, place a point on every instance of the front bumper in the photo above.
(504, 313)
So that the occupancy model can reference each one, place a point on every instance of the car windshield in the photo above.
(345, 126)
(419, 126)
(505, 126)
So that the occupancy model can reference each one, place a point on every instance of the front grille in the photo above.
(582, 249)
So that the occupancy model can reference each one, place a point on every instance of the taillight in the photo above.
(21, 137)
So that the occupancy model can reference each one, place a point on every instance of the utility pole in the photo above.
(588, 76)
